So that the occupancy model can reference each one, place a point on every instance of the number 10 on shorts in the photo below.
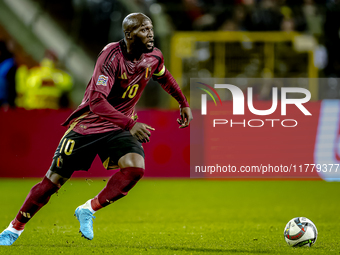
(69, 145)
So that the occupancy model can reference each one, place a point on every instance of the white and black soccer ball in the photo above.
(300, 231)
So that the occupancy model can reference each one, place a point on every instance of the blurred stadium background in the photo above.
(54, 44)
(53, 47)
(48, 50)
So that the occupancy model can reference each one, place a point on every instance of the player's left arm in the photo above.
(186, 117)
(169, 84)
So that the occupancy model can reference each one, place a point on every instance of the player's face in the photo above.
(144, 37)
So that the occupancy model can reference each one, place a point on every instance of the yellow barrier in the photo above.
(300, 48)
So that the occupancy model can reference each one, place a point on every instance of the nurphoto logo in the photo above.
(239, 104)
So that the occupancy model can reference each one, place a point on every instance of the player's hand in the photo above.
(186, 117)
(141, 132)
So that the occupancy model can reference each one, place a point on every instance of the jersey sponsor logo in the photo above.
(102, 80)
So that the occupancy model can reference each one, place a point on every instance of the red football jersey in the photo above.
(121, 82)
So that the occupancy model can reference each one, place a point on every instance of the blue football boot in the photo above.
(8, 238)
(85, 218)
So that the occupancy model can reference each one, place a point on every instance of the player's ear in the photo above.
(127, 34)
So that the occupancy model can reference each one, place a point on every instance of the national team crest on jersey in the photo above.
(102, 80)
(147, 72)
(60, 162)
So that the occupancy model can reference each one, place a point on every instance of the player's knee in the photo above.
(56, 178)
(131, 160)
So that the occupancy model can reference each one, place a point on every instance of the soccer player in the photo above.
(105, 124)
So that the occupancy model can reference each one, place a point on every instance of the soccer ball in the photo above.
(300, 231)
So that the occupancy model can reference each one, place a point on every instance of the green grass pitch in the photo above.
(170, 216)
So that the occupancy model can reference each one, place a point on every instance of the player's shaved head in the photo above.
(138, 34)
(133, 21)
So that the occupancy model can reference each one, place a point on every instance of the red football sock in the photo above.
(18, 225)
(39, 196)
(95, 204)
(117, 187)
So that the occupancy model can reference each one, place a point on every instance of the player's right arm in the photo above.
(141, 131)
(103, 80)
(101, 107)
